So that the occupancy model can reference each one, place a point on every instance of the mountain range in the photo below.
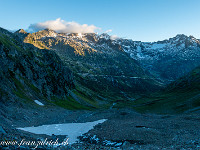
(90, 71)
(180, 53)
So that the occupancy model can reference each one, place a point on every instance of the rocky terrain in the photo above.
(50, 78)
(124, 129)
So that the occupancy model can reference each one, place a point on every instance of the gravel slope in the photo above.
(132, 130)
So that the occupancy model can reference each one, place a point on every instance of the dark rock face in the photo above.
(28, 72)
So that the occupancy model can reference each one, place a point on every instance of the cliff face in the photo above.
(29, 73)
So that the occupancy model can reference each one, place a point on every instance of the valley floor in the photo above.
(124, 128)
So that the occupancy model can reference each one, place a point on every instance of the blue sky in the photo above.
(142, 20)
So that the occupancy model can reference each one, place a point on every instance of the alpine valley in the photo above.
(139, 87)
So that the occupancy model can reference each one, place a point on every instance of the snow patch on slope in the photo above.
(38, 102)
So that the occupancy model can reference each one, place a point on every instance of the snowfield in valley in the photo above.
(71, 130)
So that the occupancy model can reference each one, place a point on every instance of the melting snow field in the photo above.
(71, 130)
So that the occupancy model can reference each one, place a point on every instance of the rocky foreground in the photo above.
(124, 129)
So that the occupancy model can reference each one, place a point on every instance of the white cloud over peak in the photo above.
(108, 31)
(62, 26)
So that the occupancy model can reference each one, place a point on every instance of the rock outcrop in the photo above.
(27, 72)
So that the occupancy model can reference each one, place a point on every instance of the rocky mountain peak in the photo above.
(91, 37)
(21, 31)
(178, 38)
(181, 36)
(185, 41)
(47, 32)
(105, 36)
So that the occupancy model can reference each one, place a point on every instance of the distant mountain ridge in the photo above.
(167, 60)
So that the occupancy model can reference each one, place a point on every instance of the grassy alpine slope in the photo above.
(183, 95)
